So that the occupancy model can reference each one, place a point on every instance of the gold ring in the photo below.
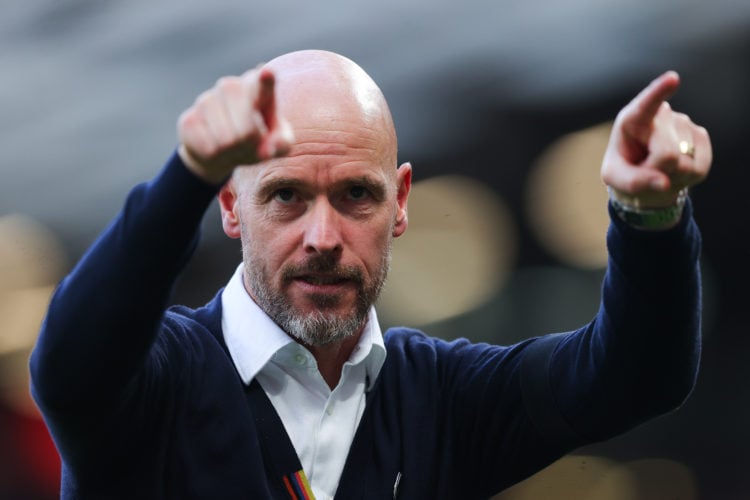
(687, 148)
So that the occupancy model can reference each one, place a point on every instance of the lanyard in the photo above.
(280, 457)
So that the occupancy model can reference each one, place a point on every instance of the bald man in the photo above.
(283, 386)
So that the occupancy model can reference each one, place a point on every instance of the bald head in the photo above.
(317, 222)
(317, 88)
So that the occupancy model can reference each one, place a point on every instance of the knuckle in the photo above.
(188, 119)
(222, 81)
(205, 99)
(701, 132)
(184, 118)
(683, 118)
(228, 84)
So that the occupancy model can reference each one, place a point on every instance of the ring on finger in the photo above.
(687, 148)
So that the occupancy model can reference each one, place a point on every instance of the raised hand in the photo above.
(234, 123)
(655, 152)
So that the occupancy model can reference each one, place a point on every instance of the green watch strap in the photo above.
(650, 218)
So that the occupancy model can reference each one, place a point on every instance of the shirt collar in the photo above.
(253, 338)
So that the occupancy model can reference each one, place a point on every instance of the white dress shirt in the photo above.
(320, 422)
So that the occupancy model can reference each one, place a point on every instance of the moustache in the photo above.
(322, 266)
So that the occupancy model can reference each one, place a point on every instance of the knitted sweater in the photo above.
(144, 401)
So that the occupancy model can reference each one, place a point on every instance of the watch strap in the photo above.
(649, 218)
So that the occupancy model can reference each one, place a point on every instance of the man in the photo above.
(283, 386)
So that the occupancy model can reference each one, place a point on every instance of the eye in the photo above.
(284, 195)
(358, 193)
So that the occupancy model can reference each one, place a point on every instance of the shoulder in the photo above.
(188, 354)
(189, 334)
(207, 317)
(419, 349)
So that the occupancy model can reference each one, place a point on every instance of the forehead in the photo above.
(323, 167)
(341, 123)
(335, 127)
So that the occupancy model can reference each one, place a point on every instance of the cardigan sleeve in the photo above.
(104, 316)
(507, 412)
(639, 357)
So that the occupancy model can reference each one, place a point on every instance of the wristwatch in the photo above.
(649, 218)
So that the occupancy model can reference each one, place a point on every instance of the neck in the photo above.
(331, 358)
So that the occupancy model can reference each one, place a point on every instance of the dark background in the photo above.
(90, 92)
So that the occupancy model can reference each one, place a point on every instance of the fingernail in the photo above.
(659, 184)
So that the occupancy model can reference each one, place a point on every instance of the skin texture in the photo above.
(316, 224)
(315, 195)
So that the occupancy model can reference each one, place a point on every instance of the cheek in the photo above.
(370, 244)
(267, 247)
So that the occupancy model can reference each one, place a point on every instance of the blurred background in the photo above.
(503, 107)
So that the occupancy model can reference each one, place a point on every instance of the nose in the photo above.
(322, 229)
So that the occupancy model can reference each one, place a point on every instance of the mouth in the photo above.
(322, 279)
(322, 290)
(317, 278)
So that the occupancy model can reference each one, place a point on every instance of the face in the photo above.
(317, 225)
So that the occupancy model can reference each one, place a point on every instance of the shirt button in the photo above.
(299, 359)
(329, 410)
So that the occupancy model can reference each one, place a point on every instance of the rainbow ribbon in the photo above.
(298, 486)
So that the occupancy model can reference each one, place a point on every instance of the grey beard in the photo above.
(322, 326)
(317, 328)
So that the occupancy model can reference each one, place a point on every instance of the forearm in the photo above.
(105, 313)
(639, 357)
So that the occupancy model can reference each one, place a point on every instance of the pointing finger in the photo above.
(639, 115)
(266, 100)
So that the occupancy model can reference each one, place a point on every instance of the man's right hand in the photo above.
(234, 123)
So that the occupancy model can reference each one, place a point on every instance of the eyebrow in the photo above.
(376, 187)
(269, 187)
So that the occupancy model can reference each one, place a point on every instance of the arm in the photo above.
(639, 358)
(105, 315)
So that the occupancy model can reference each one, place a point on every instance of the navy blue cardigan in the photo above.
(145, 403)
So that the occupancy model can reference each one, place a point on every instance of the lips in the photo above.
(322, 274)
(318, 279)
(324, 291)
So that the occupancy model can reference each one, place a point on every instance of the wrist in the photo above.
(630, 210)
(198, 169)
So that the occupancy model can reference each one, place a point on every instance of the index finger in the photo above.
(644, 106)
(263, 81)
(266, 101)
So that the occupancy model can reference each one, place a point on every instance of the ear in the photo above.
(230, 219)
(403, 179)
